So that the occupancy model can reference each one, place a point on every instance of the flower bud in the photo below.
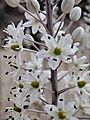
(78, 34)
(33, 6)
(12, 3)
(77, 2)
(22, 1)
(67, 5)
(75, 14)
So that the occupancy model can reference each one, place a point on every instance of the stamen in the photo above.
(7, 73)
(13, 88)
(25, 106)
(27, 96)
(6, 110)
(4, 56)
(17, 109)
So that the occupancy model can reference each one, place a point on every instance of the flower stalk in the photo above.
(53, 72)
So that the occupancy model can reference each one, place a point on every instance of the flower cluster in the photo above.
(56, 47)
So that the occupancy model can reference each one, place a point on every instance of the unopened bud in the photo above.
(75, 14)
(33, 6)
(78, 34)
(12, 3)
(67, 5)
(22, 1)
(77, 2)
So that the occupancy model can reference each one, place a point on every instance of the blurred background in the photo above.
(8, 14)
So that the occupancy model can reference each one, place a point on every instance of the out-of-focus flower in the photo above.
(36, 25)
(81, 81)
(16, 37)
(17, 111)
(62, 111)
(35, 63)
(79, 63)
(83, 102)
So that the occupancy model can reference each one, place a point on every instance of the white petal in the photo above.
(61, 101)
(20, 24)
(34, 29)
(86, 111)
(42, 54)
(71, 108)
(27, 24)
(49, 41)
(73, 118)
(51, 110)
(29, 37)
(54, 62)
(61, 74)
(28, 17)
(66, 59)
(34, 96)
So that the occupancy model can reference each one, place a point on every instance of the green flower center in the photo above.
(62, 115)
(57, 51)
(35, 84)
(17, 109)
(81, 84)
(15, 47)
(20, 85)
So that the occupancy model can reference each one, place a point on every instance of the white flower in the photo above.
(83, 101)
(15, 63)
(17, 35)
(32, 22)
(12, 3)
(80, 80)
(34, 83)
(17, 111)
(34, 64)
(79, 63)
(58, 51)
(62, 111)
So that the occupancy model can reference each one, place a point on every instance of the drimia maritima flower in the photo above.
(43, 73)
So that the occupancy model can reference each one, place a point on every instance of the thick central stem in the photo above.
(53, 72)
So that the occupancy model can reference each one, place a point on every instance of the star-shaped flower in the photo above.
(58, 51)
(16, 36)
(32, 22)
(18, 109)
(62, 111)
